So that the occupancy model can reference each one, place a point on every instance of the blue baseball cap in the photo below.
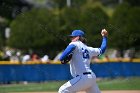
(77, 33)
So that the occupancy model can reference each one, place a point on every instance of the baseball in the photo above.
(104, 32)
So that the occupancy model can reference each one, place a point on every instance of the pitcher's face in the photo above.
(73, 39)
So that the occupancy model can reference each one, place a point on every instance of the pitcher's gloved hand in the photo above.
(67, 59)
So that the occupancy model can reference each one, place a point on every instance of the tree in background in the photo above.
(93, 20)
(35, 30)
(118, 21)
(10, 8)
(132, 27)
(70, 19)
(125, 20)
(133, 2)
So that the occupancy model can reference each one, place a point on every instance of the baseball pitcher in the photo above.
(79, 55)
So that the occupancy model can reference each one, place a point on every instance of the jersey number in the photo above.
(85, 53)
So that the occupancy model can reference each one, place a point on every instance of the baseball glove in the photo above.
(67, 59)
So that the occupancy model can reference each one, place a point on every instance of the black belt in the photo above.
(85, 73)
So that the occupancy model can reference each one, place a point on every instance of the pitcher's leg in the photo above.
(93, 89)
(66, 88)
(81, 83)
(74, 85)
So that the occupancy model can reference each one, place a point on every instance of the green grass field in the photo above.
(104, 84)
(120, 84)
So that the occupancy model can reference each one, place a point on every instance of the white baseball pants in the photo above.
(82, 82)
